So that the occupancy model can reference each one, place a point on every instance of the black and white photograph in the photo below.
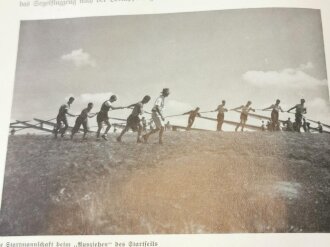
(206, 122)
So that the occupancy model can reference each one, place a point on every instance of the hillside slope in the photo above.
(197, 182)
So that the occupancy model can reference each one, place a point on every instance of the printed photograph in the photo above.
(185, 123)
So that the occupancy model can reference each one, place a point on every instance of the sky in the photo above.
(203, 57)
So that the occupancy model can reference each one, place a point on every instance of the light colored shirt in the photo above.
(160, 102)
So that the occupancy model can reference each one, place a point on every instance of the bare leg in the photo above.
(243, 125)
(122, 133)
(161, 135)
(140, 128)
(146, 136)
(99, 124)
(108, 127)
(238, 125)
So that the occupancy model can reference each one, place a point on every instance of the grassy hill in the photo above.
(197, 182)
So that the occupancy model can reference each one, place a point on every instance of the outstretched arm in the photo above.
(130, 106)
(92, 115)
(237, 108)
(268, 108)
(291, 108)
(116, 108)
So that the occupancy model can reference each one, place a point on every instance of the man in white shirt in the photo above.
(157, 116)
(221, 115)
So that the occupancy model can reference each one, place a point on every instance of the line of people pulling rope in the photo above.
(134, 122)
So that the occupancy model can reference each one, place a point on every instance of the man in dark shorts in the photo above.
(61, 118)
(133, 121)
(103, 117)
(245, 109)
(275, 115)
(192, 115)
(300, 110)
(82, 119)
(221, 115)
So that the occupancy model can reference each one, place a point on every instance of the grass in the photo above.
(197, 182)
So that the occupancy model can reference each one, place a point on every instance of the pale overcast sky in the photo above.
(203, 57)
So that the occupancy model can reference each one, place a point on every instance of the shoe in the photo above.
(105, 137)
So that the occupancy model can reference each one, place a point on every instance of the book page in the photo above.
(153, 123)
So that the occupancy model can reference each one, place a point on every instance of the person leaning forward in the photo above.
(61, 118)
(133, 121)
(103, 116)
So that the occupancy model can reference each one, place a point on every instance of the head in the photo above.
(146, 99)
(223, 102)
(248, 103)
(289, 119)
(166, 92)
(197, 109)
(113, 98)
(71, 99)
(302, 101)
(278, 102)
(90, 106)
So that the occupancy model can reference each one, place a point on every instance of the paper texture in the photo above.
(197, 81)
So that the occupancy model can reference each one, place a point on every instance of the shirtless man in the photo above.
(103, 117)
(134, 121)
(192, 115)
(221, 115)
(245, 109)
(300, 110)
(275, 115)
(61, 117)
(157, 116)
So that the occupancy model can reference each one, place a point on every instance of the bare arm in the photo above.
(116, 108)
(268, 108)
(92, 115)
(291, 108)
(237, 108)
(130, 106)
